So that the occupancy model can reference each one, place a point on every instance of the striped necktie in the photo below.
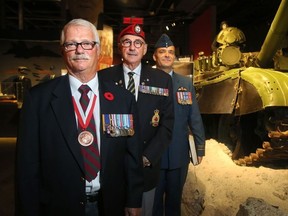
(90, 153)
(131, 83)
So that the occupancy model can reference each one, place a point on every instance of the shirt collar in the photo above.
(75, 84)
(137, 70)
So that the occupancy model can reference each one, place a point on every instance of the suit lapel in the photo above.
(103, 139)
(118, 77)
(144, 80)
(175, 81)
(106, 107)
(64, 112)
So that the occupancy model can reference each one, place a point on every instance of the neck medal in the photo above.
(85, 137)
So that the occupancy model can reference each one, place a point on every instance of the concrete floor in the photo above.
(7, 174)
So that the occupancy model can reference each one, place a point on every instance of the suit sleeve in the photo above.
(27, 161)
(163, 137)
(196, 124)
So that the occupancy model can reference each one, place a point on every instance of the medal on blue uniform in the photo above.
(184, 97)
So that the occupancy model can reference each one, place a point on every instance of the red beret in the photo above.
(132, 30)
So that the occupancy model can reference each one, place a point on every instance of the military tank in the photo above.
(243, 97)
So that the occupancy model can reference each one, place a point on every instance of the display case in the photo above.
(11, 98)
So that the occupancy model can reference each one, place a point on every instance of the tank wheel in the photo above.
(227, 132)
(238, 133)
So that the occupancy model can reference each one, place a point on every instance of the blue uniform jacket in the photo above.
(185, 117)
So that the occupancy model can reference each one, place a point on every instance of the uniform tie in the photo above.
(131, 83)
(90, 153)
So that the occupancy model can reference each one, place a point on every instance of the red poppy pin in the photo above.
(109, 96)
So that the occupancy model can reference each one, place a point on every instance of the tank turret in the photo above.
(243, 96)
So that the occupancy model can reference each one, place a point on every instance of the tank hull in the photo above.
(243, 91)
(244, 100)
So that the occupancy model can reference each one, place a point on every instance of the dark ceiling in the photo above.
(43, 19)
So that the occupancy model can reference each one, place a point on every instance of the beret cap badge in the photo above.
(137, 29)
(134, 29)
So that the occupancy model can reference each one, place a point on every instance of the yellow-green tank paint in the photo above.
(271, 85)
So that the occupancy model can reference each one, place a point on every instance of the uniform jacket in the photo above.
(154, 139)
(186, 117)
(50, 171)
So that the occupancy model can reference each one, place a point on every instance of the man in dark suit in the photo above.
(153, 92)
(56, 135)
(175, 160)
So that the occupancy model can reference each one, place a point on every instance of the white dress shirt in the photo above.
(94, 185)
(137, 73)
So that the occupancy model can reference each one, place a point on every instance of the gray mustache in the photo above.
(80, 57)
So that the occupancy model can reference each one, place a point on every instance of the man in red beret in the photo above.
(153, 91)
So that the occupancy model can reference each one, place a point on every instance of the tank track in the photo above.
(267, 154)
(272, 151)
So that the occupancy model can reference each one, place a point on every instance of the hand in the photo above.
(146, 162)
(200, 159)
(132, 211)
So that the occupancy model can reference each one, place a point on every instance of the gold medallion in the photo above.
(85, 138)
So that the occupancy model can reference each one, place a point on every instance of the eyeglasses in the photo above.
(136, 43)
(86, 45)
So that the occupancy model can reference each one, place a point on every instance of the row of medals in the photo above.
(86, 138)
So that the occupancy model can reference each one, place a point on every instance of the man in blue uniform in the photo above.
(175, 160)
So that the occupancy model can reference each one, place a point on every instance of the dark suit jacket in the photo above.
(186, 117)
(50, 170)
(154, 139)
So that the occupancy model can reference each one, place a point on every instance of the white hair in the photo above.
(80, 22)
